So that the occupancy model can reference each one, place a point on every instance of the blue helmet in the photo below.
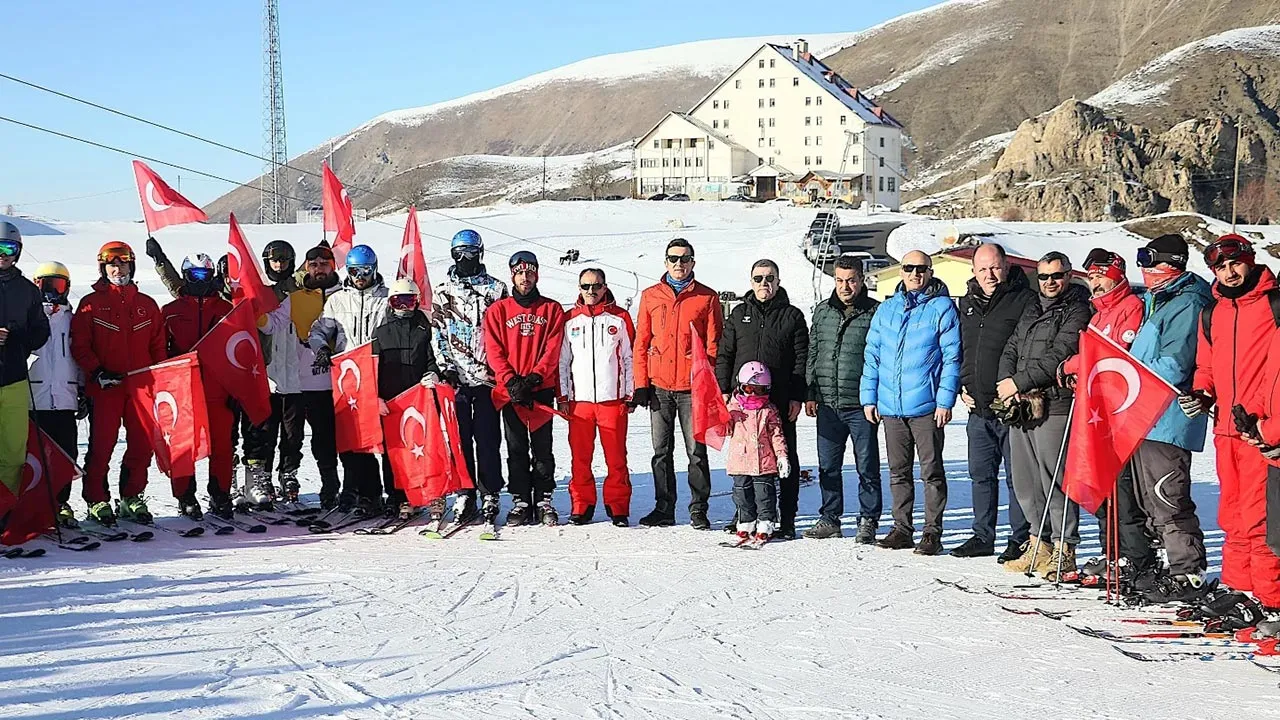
(362, 255)
(467, 238)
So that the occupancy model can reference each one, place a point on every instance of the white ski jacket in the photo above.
(56, 379)
(595, 355)
(350, 316)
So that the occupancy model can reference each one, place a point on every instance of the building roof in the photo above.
(838, 87)
(770, 170)
(692, 121)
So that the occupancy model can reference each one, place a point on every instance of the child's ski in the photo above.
(78, 544)
(20, 553)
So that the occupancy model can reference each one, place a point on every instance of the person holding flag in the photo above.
(24, 328)
(196, 311)
(1047, 334)
(116, 329)
(457, 322)
(292, 372)
(522, 337)
(402, 348)
(349, 319)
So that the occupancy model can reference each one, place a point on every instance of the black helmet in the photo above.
(278, 250)
(10, 236)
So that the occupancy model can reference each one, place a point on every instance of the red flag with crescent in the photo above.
(421, 431)
(1118, 401)
(413, 264)
(355, 400)
(32, 511)
(163, 206)
(338, 211)
(710, 414)
(168, 398)
(231, 355)
(243, 272)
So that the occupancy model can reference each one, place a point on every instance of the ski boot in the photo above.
(521, 513)
(765, 531)
(464, 509)
(134, 508)
(328, 501)
(435, 512)
(258, 490)
(1177, 588)
(66, 517)
(489, 509)
(102, 514)
(367, 507)
(405, 512)
(547, 513)
(221, 505)
(289, 487)
(347, 502)
(584, 517)
(189, 507)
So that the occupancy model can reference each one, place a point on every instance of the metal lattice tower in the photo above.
(271, 208)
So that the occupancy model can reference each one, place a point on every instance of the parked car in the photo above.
(738, 198)
(679, 197)
(878, 208)
(870, 265)
(780, 201)
(833, 203)
(614, 197)
(658, 196)
(579, 198)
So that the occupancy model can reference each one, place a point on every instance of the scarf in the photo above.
(678, 286)
(1156, 278)
(751, 402)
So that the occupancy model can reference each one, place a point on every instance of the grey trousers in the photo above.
(1035, 457)
(1162, 478)
(903, 438)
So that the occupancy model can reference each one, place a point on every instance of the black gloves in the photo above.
(533, 380)
(1195, 403)
(106, 379)
(154, 251)
(1246, 424)
(641, 397)
(451, 378)
(324, 358)
(518, 389)
(83, 408)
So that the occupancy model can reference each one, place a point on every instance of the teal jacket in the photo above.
(1166, 343)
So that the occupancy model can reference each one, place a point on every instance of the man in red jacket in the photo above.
(1236, 331)
(186, 320)
(116, 329)
(522, 336)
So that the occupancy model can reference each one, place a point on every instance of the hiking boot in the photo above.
(134, 508)
(1177, 588)
(784, 531)
(866, 531)
(67, 517)
(583, 517)
(897, 539)
(823, 529)
(657, 518)
(1012, 551)
(1067, 555)
(102, 514)
(930, 544)
(1022, 563)
(698, 520)
(521, 513)
(974, 547)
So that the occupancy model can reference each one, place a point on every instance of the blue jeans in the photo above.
(755, 497)
(835, 428)
(988, 448)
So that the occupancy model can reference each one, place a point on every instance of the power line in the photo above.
(69, 199)
(214, 143)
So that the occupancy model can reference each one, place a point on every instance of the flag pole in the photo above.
(1062, 452)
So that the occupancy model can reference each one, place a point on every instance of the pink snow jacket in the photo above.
(755, 440)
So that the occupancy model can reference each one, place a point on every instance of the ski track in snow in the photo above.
(576, 622)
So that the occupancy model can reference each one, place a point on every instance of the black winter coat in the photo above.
(986, 324)
(773, 333)
(403, 347)
(837, 345)
(22, 314)
(1044, 339)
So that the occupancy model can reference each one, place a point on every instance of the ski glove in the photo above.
(1271, 452)
(107, 379)
(154, 251)
(519, 391)
(784, 467)
(1193, 404)
(641, 397)
(83, 408)
(429, 380)
(451, 378)
(324, 358)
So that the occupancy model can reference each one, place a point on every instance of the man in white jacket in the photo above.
(349, 318)
(595, 385)
(57, 384)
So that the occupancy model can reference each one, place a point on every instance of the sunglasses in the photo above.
(403, 302)
(591, 287)
(1227, 249)
(199, 274)
(1148, 258)
(9, 248)
(912, 269)
(1045, 277)
(752, 389)
(56, 285)
(680, 259)
(764, 279)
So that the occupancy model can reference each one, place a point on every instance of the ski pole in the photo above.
(1062, 453)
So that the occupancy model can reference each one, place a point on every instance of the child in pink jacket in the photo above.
(757, 452)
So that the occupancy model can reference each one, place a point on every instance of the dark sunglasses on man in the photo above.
(680, 259)
(913, 269)
(591, 287)
(764, 279)
(1045, 277)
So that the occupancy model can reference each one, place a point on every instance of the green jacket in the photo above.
(836, 343)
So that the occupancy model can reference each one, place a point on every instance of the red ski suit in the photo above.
(1232, 369)
(118, 329)
(186, 320)
(521, 340)
(1117, 315)
(596, 382)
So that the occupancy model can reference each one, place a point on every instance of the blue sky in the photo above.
(197, 66)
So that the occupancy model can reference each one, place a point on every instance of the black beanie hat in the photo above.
(1171, 244)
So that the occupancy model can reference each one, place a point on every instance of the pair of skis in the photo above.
(1018, 592)
(439, 530)
(107, 533)
(390, 526)
(81, 543)
(750, 542)
(192, 532)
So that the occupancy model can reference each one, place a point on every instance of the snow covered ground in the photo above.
(572, 622)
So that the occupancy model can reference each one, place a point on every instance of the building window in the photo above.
(795, 82)
(853, 160)
(664, 162)
(870, 184)
(818, 101)
(770, 62)
(772, 102)
(655, 144)
(817, 120)
(806, 161)
(760, 142)
(698, 162)
(760, 161)
(770, 122)
(711, 144)
(760, 102)
(715, 104)
(770, 142)
(687, 162)
(737, 84)
(808, 121)
(881, 183)
(891, 183)
(761, 81)
(882, 162)
(844, 119)
(806, 140)
(817, 140)
(770, 82)
(881, 142)
(715, 124)
(760, 122)
(818, 160)
(762, 62)
(808, 101)
(726, 104)
(726, 123)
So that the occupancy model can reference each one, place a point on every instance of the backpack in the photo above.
(1206, 314)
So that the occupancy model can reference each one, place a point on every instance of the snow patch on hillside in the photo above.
(970, 156)
(1143, 86)
(949, 52)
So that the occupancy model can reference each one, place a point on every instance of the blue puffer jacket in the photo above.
(1166, 342)
(912, 360)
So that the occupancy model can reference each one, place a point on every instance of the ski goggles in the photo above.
(465, 253)
(753, 389)
(278, 256)
(114, 256)
(1227, 247)
(199, 274)
(55, 285)
(10, 248)
(1148, 258)
(319, 253)
(361, 272)
(403, 302)
(1100, 260)
(524, 257)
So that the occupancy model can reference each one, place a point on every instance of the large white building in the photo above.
(783, 123)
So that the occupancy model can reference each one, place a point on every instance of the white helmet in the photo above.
(403, 286)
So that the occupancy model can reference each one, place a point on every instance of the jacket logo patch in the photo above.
(613, 329)
(746, 318)
(968, 311)
(526, 323)
(575, 331)
(1128, 336)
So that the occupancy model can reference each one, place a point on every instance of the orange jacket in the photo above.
(662, 351)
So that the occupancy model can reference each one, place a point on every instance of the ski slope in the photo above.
(572, 622)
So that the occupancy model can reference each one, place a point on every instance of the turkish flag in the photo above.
(47, 471)
(355, 401)
(169, 399)
(456, 475)
(1118, 401)
(240, 371)
(337, 216)
(422, 440)
(710, 414)
(413, 264)
(246, 279)
(163, 206)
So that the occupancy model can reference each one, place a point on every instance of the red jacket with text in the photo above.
(522, 336)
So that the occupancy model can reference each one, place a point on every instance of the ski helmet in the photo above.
(11, 239)
(116, 252)
(197, 267)
(279, 250)
(54, 281)
(402, 297)
(467, 239)
(362, 255)
(403, 286)
(755, 373)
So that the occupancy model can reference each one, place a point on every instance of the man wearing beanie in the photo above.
(522, 336)
(1166, 343)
